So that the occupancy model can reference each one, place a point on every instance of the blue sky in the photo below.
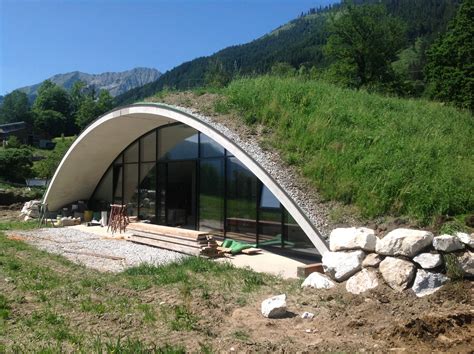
(40, 38)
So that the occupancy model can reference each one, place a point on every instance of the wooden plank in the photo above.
(115, 258)
(165, 245)
(304, 271)
(164, 238)
(251, 251)
(169, 231)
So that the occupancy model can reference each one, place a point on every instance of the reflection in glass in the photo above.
(131, 154)
(211, 197)
(148, 147)
(295, 238)
(209, 148)
(130, 191)
(178, 142)
(118, 172)
(148, 192)
(241, 202)
(181, 194)
(269, 225)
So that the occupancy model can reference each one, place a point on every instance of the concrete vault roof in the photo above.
(99, 144)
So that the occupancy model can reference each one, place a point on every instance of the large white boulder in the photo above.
(365, 280)
(427, 283)
(466, 261)
(31, 209)
(341, 265)
(352, 238)
(467, 239)
(372, 260)
(404, 242)
(318, 281)
(428, 260)
(397, 273)
(447, 243)
(274, 307)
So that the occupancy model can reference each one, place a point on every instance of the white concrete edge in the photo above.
(205, 128)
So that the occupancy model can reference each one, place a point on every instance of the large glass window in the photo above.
(210, 148)
(269, 220)
(148, 147)
(131, 154)
(130, 188)
(241, 219)
(211, 196)
(295, 238)
(148, 192)
(178, 177)
(178, 142)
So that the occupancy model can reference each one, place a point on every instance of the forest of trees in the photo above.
(56, 111)
(410, 48)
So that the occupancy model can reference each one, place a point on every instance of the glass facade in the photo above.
(179, 177)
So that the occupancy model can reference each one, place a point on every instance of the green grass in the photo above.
(52, 305)
(385, 155)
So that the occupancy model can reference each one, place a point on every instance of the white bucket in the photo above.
(103, 220)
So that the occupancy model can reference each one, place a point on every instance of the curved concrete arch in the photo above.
(98, 145)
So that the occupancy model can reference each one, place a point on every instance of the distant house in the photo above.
(17, 129)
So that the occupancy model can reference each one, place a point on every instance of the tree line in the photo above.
(56, 111)
(409, 48)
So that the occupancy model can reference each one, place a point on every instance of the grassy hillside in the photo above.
(385, 155)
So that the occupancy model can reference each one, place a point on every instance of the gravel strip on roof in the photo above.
(70, 243)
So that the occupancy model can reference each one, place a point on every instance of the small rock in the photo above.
(398, 273)
(447, 243)
(428, 260)
(466, 262)
(318, 281)
(274, 307)
(427, 283)
(364, 280)
(341, 265)
(308, 331)
(307, 315)
(352, 238)
(467, 239)
(404, 242)
(8, 280)
(372, 260)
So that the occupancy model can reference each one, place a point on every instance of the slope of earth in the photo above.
(48, 303)
(388, 158)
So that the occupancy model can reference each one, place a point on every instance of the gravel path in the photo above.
(95, 251)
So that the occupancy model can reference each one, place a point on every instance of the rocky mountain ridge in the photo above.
(115, 82)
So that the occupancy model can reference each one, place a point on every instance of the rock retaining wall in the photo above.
(403, 259)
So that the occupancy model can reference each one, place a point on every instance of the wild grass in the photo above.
(52, 305)
(385, 155)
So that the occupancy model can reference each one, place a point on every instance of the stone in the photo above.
(318, 281)
(467, 239)
(466, 262)
(352, 238)
(307, 315)
(428, 260)
(427, 283)
(274, 307)
(341, 265)
(447, 243)
(365, 280)
(397, 273)
(404, 242)
(372, 260)
(31, 209)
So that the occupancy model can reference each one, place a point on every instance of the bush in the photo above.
(15, 164)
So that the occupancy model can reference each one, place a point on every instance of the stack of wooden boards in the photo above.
(175, 239)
